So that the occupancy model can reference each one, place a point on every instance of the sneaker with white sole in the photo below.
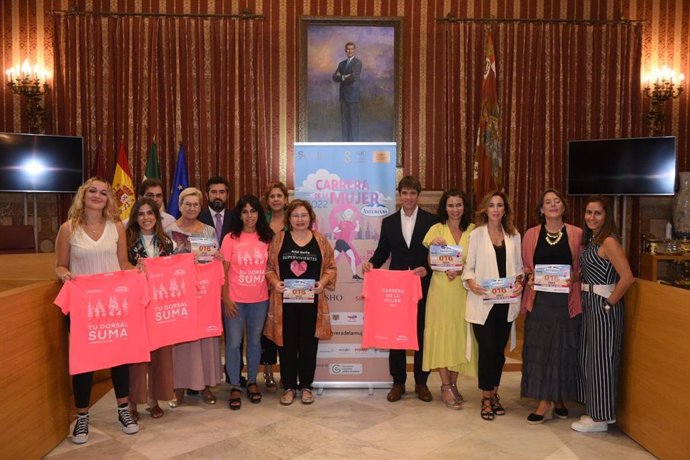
(80, 434)
(129, 426)
(587, 424)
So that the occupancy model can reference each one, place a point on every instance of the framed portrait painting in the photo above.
(349, 84)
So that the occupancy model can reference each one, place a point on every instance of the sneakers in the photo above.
(81, 429)
(587, 424)
(129, 426)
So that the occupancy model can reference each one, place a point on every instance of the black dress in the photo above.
(551, 342)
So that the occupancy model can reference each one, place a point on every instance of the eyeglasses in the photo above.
(191, 205)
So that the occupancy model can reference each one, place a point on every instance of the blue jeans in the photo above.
(254, 314)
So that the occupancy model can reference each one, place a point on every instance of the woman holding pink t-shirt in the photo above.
(153, 381)
(92, 240)
(245, 294)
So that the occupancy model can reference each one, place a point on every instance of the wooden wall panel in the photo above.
(33, 359)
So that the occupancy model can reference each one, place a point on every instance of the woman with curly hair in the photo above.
(91, 241)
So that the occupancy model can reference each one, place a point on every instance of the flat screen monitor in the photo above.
(41, 163)
(634, 166)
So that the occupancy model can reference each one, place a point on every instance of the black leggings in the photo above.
(492, 338)
(82, 384)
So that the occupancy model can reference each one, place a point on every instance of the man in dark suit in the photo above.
(401, 238)
(347, 74)
(216, 214)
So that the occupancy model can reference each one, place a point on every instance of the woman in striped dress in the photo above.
(605, 277)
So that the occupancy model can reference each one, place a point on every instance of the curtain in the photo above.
(195, 80)
(557, 81)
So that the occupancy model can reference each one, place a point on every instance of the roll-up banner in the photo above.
(351, 187)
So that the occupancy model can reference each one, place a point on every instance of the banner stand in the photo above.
(351, 187)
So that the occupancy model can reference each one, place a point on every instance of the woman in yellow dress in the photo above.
(446, 332)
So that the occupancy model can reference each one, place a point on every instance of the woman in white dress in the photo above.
(91, 241)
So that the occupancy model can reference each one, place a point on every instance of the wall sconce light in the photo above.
(659, 87)
(30, 82)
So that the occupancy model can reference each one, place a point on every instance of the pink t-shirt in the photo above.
(246, 277)
(390, 309)
(211, 279)
(108, 326)
(172, 316)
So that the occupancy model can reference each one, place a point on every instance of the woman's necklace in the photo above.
(92, 227)
(553, 238)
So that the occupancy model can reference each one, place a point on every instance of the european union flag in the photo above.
(180, 182)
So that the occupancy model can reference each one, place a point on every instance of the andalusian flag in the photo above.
(153, 170)
(488, 161)
(122, 184)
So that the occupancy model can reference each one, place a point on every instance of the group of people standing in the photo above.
(93, 240)
(572, 341)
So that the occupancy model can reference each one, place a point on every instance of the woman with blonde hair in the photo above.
(91, 241)
(494, 252)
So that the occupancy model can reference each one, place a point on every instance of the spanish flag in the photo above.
(122, 184)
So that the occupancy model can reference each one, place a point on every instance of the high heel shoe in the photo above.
(177, 400)
(448, 398)
(496, 406)
(458, 395)
(269, 380)
(487, 412)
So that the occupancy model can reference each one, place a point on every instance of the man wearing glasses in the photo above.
(153, 190)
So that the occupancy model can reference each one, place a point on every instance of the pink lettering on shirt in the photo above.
(246, 278)
(172, 316)
(107, 316)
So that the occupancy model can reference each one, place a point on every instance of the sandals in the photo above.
(288, 397)
(155, 411)
(487, 411)
(253, 393)
(271, 385)
(448, 397)
(307, 396)
(177, 400)
(207, 396)
(235, 401)
(496, 406)
(458, 395)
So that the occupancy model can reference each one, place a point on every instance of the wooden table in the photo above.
(33, 357)
(653, 407)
